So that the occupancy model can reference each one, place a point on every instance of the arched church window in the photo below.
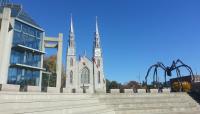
(71, 77)
(98, 45)
(85, 76)
(98, 63)
(71, 62)
(99, 77)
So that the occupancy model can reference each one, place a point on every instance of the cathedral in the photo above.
(84, 75)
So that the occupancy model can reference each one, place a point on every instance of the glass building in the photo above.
(27, 48)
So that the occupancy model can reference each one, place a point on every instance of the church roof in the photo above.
(18, 12)
(86, 58)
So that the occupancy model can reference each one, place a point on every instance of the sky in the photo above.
(135, 34)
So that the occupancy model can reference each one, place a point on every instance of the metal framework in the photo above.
(176, 65)
(4, 2)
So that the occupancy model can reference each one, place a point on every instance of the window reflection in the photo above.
(26, 58)
(27, 36)
(18, 76)
(30, 37)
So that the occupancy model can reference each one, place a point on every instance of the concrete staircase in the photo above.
(43, 103)
(149, 103)
(49, 103)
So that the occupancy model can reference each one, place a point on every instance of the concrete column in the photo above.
(59, 61)
(42, 59)
(5, 45)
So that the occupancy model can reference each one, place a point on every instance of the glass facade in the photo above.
(23, 76)
(27, 58)
(25, 62)
(27, 36)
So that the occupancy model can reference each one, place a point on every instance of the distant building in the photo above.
(21, 47)
(85, 75)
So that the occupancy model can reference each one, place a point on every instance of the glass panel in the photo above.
(16, 57)
(18, 26)
(39, 34)
(25, 76)
(14, 76)
(29, 36)
(31, 77)
(25, 28)
(26, 58)
(32, 31)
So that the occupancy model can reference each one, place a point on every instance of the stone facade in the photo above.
(84, 75)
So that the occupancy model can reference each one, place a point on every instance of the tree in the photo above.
(113, 85)
(117, 85)
(49, 77)
(49, 64)
(108, 86)
(132, 85)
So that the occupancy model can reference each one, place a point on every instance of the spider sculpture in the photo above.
(176, 65)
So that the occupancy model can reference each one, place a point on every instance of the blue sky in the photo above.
(134, 33)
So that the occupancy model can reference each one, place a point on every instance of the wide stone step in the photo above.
(146, 107)
(145, 95)
(57, 108)
(102, 111)
(41, 96)
(154, 105)
(158, 111)
(45, 103)
(105, 110)
(64, 111)
(131, 112)
(144, 101)
(41, 104)
(3, 101)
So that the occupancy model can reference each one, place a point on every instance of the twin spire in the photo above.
(71, 25)
(97, 29)
(71, 36)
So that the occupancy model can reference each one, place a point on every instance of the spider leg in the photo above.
(149, 72)
(180, 79)
(154, 75)
(177, 73)
(188, 68)
(190, 71)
